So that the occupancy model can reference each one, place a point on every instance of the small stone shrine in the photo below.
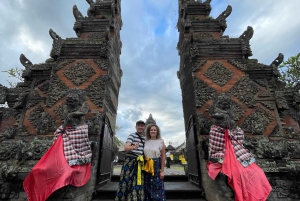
(212, 63)
(37, 106)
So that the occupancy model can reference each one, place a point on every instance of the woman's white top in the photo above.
(153, 148)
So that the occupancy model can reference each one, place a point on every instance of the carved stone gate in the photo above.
(266, 110)
(90, 62)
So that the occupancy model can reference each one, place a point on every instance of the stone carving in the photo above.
(79, 73)
(28, 65)
(96, 91)
(98, 35)
(221, 111)
(246, 36)
(257, 121)
(290, 132)
(222, 18)
(276, 132)
(59, 111)
(238, 64)
(91, 10)
(197, 65)
(33, 99)
(102, 63)
(203, 124)
(200, 36)
(75, 108)
(56, 91)
(95, 124)
(271, 149)
(21, 100)
(261, 82)
(56, 46)
(202, 92)
(218, 73)
(266, 93)
(293, 148)
(77, 14)
(41, 120)
(280, 100)
(268, 166)
(9, 133)
(276, 63)
(3, 93)
(268, 104)
(64, 63)
(244, 90)
(237, 110)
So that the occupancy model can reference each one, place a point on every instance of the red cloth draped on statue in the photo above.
(53, 172)
(249, 184)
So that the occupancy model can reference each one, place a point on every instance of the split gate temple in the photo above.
(210, 63)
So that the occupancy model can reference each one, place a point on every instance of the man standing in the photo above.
(131, 177)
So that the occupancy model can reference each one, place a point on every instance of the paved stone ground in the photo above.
(174, 170)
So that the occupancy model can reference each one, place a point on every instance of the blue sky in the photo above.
(149, 58)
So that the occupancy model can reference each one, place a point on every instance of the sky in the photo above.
(149, 58)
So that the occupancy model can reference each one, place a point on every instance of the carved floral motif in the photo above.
(244, 90)
(96, 91)
(202, 92)
(218, 73)
(79, 73)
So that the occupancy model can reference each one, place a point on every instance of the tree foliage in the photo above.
(14, 73)
(290, 71)
(117, 141)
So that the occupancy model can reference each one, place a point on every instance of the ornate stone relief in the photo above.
(9, 133)
(7, 112)
(244, 90)
(199, 36)
(294, 149)
(256, 122)
(261, 82)
(268, 166)
(238, 64)
(95, 124)
(102, 63)
(269, 104)
(218, 73)
(79, 73)
(59, 111)
(203, 124)
(56, 91)
(64, 63)
(276, 132)
(96, 91)
(202, 92)
(266, 93)
(271, 149)
(57, 44)
(280, 100)
(222, 18)
(33, 99)
(290, 132)
(42, 121)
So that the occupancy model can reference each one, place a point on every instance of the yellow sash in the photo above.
(149, 166)
(140, 160)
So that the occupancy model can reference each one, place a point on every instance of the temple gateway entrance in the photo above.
(210, 64)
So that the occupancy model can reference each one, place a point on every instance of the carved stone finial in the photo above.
(75, 108)
(222, 18)
(247, 35)
(54, 35)
(91, 10)
(150, 120)
(27, 64)
(77, 14)
(276, 63)
(278, 60)
(221, 111)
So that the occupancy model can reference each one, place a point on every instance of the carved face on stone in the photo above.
(72, 99)
(223, 101)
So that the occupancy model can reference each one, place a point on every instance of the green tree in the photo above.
(14, 73)
(290, 71)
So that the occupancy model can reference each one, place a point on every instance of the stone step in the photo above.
(168, 178)
(182, 190)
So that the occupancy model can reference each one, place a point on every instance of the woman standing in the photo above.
(154, 152)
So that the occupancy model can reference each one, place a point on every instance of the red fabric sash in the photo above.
(249, 184)
(53, 172)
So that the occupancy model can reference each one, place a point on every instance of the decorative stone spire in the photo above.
(150, 120)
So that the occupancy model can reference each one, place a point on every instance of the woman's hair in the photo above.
(148, 137)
